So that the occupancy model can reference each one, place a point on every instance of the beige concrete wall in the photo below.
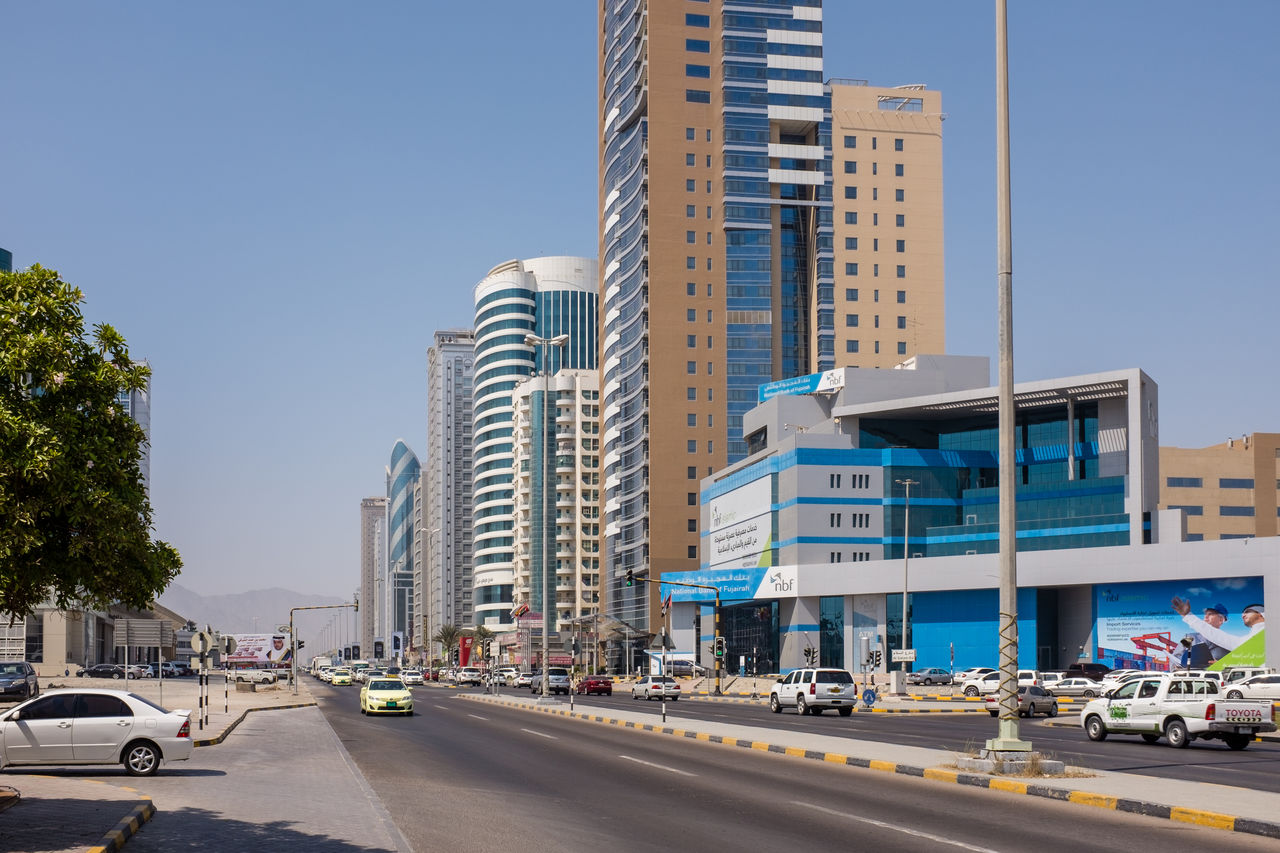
(1255, 457)
(855, 113)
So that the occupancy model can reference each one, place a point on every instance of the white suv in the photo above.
(470, 675)
(812, 691)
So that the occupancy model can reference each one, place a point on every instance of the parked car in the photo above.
(601, 685)
(507, 674)
(932, 675)
(412, 676)
(655, 687)
(18, 680)
(253, 676)
(94, 726)
(988, 682)
(971, 673)
(469, 675)
(139, 670)
(1095, 671)
(1051, 677)
(524, 679)
(1032, 700)
(102, 670)
(1178, 709)
(384, 695)
(557, 681)
(1232, 674)
(1257, 687)
(1076, 686)
(813, 690)
(168, 669)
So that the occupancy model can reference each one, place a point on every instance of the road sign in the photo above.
(904, 655)
(283, 629)
(201, 642)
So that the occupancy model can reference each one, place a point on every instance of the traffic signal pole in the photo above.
(293, 638)
(718, 643)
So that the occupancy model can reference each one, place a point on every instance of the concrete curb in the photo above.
(232, 725)
(1213, 820)
(126, 828)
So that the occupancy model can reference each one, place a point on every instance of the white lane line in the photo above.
(478, 717)
(540, 734)
(906, 831)
(443, 707)
(656, 766)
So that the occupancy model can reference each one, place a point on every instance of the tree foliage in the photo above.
(75, 521)
(448, 636)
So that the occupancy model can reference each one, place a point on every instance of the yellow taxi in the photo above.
(340, 677)
(386, 696)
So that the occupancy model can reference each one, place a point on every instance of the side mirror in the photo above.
(14, 717)
(780, 680)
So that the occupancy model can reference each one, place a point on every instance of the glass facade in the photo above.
(831, 631)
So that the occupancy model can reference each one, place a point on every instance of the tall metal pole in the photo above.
(1006, 739)
(906, 561)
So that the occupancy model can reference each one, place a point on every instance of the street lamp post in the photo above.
(906, 559)
(535, 341)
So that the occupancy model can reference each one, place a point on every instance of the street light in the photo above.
(534, 341)
(906, 559)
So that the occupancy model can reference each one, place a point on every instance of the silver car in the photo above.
(1076, 686)
(932, 675)
(92, 726)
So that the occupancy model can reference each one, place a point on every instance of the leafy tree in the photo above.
(75, 522)
(448, 636)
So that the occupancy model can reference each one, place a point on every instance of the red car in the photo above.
(598, 684)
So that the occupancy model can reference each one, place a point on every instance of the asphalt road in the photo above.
(462, 776)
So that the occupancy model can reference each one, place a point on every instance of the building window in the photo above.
(691, 314)
(1239, 511)
(834, 519)
(691, 341)
(877, 347)
(693, 525)
(875, 270)
(697, 96)
(902, 270)
(690, 263)
(697, 45)
(708, 238)
(875, 193)
(873, 142)
(692, 472)
(691, 185)
(689, 160)
(690, 288)
(851, 294)
(688, 133)
(901, 220)
(875, 168)
(697, 71)
(1188, 509)
(850, 269)
(902, 297)
(850, 192)
(875, 244)
(836, 557)
(851, 320)
(693, 498)
(708, 186)
(1195, 537)
(851, 167)
(897, 170)
(693, 552)
(691, 367)
(850, 217)
(691, 446)
(902, 347)
(691, 236)
(697, 20)
(897, 145)
(1235, 483)
(690, 211)
(691, 393)
(902, 245)
(851, 242)
(691, 419)
(833, 481)
(1184, 482)
(851, 142)
(902, 322)
(850, 346)
(899, 195)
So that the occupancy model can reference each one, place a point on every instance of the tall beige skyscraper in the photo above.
(373, 561)
(1228, 490)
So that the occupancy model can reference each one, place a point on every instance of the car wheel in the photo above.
(1089, 694)
(774, 705)
(1234, 694)
(1176, 733)
(846, 712)
(1150, 738)
(928, 681)
(802, 707)
(995, 713)
(1053, 710)
(971, 691)
(141, 758)
(1095, 728)
(116, 676)
(409, 713)
(1238, 741)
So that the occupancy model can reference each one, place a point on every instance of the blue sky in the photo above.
(278, 203)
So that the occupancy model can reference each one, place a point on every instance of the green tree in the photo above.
(480, 635)
(448, 636)
(75, 522)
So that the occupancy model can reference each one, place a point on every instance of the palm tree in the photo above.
(448, 636)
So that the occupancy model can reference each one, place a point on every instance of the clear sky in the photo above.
(278, 203)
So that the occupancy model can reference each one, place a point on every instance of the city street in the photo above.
(464, 776)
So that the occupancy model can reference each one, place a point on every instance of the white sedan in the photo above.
(1258, 687)
(655, 687)
(93, 726)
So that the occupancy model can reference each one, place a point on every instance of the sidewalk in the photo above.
(45, 813)
(1206, 804)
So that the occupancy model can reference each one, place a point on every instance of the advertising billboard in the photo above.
(264, 650)
(741, 530)
(1165, 625)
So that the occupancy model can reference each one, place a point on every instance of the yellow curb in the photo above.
(835, 758)
(1202, 818)
(1008, 785)
(730, 741)
(890, 766)
(702, 736)
(939, 773)
(1087, 798)
(795, 751)
(759, 744)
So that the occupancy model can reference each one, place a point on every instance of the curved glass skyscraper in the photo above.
(545, 297)
(397, 593)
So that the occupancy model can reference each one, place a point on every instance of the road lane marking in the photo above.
(443, 707)
(540, 734)
(657, 766)
(478, 717)
(905, 830)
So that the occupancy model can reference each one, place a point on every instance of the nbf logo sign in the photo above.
(778, 582)
(781, 583)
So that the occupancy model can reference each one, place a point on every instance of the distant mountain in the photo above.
(234, 613)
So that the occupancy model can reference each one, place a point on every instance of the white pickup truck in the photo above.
(1179, 708)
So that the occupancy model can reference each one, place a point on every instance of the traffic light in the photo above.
(631, 578)
(301, 643)
(355, 605)
(876, 662)
(719, 647)
(810, 655)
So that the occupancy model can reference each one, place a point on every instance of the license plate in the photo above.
(391, 704)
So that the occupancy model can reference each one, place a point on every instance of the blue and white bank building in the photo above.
(805, 536)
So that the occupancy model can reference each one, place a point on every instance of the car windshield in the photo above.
(554, 671)
(386, 685)
(834, 677)
(11, 669)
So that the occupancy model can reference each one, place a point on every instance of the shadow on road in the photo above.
(199, 829)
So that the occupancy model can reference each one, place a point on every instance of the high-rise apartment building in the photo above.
(445, 590)
(886, 158)
(716, 240)
(403, 490)
(373, 559)
(6, 260)
(1226, 491)
(545, 298)
(137, 405)
(557, 493)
